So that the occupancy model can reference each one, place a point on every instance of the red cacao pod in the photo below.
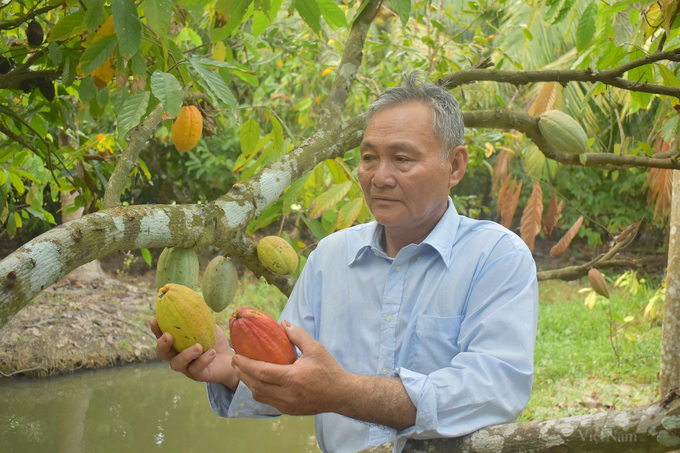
(256, 335)
(598, 283)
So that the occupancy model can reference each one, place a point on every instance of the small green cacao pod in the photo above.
(563, 132)
(277, 255)
(179, 266)
(47, 89)
(34, 33)
(598, 283)
(220, 281)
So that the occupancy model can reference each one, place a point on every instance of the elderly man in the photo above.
(420, 324)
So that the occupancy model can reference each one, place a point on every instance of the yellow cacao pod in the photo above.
(187, 128)
(277, 255)
(598, 283)
(563, 132)
(182, 312)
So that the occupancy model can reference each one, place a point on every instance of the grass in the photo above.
(575, 366)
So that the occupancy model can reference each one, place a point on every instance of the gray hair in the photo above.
(447, 122)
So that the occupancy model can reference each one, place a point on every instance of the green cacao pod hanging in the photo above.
(220, 281)
(563, 132)
(177, 265)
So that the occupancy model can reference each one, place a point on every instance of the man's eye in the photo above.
(366, 157)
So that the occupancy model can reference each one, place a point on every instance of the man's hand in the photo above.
(310, 386)
(213, 366)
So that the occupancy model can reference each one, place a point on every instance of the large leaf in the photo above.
(334, 16)
(310, 13)
(158, 15)
(586, 27)
(502, 192)
(168, 90)
(530, 224)
(563, 244)
(328, 199)
(349, 212)
(131, 112)
(98, 53)
(215, 82)
(67, 27)
(550, 98)
(403, 8)
(249, 136)
(94, 16)
(510, 201)
(552, 215)
(260, 23)
(277, 134)
(128, 26)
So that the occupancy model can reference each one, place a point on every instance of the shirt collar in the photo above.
(441, 238)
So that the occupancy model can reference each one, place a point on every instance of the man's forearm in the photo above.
(379, 400)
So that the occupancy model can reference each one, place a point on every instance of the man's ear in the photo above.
(458, 157)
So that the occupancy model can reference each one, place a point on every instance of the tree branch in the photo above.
(17, 22)
(643, 429)
(609, 77)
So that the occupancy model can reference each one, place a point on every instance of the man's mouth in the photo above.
(384, 199)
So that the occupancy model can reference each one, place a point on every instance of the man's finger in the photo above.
(154, 327)
(298, 336)
(197, 367)
(164, 349)
(182, 360)
(262, 371)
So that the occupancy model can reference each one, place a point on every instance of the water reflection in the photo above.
(136, 408)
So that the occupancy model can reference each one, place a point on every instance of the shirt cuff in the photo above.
(241, 404)
(424, 397)
(219, 397)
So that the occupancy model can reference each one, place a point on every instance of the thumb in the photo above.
(298, 336)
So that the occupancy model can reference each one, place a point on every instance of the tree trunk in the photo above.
(649, 429)
(669, 376)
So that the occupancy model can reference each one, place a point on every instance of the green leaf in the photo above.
(277, 133)
(315, 227)
(94, 16)
(269, 215)
(528, 34)
(168, 90)
(349, 213)
(668, 77)
(564, 12)
(55, 53)
(103, 97)
(215, 82)
(67, 27)
(128, 26)
(158, 15)
(586, 27)
(237, 11)
(403, 8)
(16, 182)
(310, 13)
(131, 112)
(98, 53)
(146, 254)
(87, 90)
(260, 23)
(668, 129)
(332, 13)
(138, 65)
(249, 135)
(292, 191)
(328, 199)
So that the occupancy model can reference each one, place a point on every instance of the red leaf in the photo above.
(552, 215)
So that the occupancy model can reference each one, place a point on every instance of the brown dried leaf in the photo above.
(624, 234)
(510, 203)
(501, 194)
(530, 224)
(500, 170)
(660, 186)
(552, 215)
(561, 246)
(549, 98)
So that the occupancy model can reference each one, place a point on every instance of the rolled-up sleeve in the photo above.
(489, 381)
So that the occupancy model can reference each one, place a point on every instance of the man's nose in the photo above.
(383, 175)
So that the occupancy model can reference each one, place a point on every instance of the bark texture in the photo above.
(651, 429)
(669, 376)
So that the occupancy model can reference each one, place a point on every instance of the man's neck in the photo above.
(395, 238)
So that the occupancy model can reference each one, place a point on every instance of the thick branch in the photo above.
(16, 22)
(351, 62)
(576, 272)
(646, 429)
(45, 259)
(528, 124)
(609, 77)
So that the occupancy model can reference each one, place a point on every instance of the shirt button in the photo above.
(398, 268)
(241, 405)
(381, 427)
(236, 414)
(384, 371)
(389, 318)
(375, 253)
(417, 258)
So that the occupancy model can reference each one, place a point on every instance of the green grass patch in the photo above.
(575, 366)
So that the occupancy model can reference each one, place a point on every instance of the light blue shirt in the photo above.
(453, 317)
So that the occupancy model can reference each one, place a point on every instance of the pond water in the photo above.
(135, 408)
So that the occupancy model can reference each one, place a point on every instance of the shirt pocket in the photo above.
(436, 342)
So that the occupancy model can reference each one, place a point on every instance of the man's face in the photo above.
(402, 174)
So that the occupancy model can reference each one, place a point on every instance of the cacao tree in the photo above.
(285, 92)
